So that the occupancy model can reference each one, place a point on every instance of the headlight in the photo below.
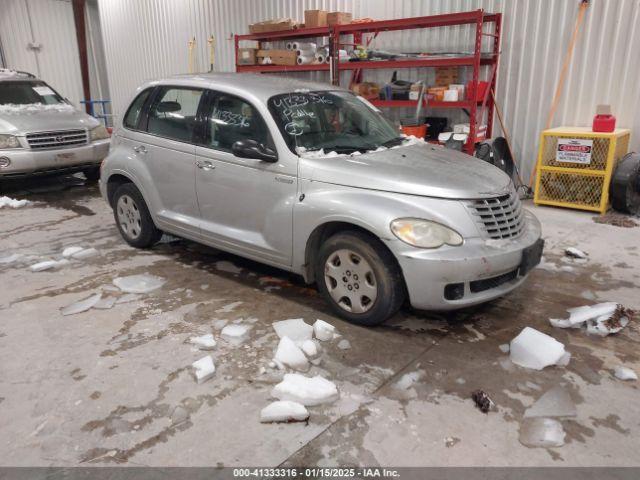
(424, 233)
(99, 133)
(9, 141)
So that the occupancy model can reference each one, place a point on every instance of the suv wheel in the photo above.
(92, 174)
(133, 219)
(359, 278)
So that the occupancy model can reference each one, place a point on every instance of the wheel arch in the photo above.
(114, 182)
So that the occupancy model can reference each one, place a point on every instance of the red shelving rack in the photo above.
(336, 33)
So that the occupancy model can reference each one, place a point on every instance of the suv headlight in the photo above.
(99, 133)
(9, 141)
(424, 233)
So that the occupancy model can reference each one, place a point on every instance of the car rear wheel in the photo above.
(133, 218)
(92, 174)
(359, 278)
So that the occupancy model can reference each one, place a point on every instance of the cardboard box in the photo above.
(436, 93)
(368, 90)
(275, 25)
(338, 18)
(446, 76)
(279, 56)
(315, 18)
(247, 56)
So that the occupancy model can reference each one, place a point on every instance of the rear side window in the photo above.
(173, 113)
(133, 114)
(231, 119)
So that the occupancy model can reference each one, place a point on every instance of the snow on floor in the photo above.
(229, 307)
(235, 333)
(284, 411)
(204, 342)
(12, 202)
(624, 373)
(308, 391)
(71, 251)
(82, 305)
(225, 266)
(142, 283)
(542, 433)
(556, 402)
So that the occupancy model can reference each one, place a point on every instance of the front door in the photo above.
(246, 205)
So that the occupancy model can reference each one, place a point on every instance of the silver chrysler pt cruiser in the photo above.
(313, 179)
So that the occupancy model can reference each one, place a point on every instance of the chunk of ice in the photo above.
(289, 354)
(296, 329)
(105, 303)
(204, 368)
(284, 411)
(556, 402)
(219, 324)
(589, 312)
(408, 380)
(534, 349)
(14, 257)
(128, 298)
(71, 251)
(323, 331)
(624, 373)
(310, 348)
(204, 342)
(42, 266)
(82, 305)
(541, 432)
(229, 267)
(575, 253)
(308, 391)
(143, 283)
(599, 326)
(85, 253)
(12, 202)
(344, 344)
(229, 307)
(504, 348)
(235, 333)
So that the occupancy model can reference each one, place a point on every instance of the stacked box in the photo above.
(279, 56)
(247, 56)
(338, 18)
(315, 18)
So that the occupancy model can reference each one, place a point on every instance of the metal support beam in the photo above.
(81, 37)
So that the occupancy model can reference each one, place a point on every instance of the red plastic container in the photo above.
(482, 89)
(604, 123)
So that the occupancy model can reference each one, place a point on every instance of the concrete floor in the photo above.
(100, 387)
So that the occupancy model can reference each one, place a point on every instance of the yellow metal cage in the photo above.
(575, 167)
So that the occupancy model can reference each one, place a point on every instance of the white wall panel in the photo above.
(50, 24)
(148, 38)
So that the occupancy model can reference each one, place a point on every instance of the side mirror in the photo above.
(252, 149)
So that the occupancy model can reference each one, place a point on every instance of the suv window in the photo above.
(173, 113)
(28, 92)
(133, 114)
(231, 119)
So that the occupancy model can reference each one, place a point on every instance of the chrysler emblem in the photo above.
(59, 139)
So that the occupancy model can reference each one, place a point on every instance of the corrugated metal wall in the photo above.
(148, 38)
(50, 24)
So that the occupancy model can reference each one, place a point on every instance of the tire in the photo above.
(347, 257)
(92, 174)
(625, 185)
(132, 217)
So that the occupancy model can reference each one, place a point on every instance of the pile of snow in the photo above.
(324, 331)
(12, 202)
(553, 403)
(575, 253)
(204, 368)
(296, 329)
(71, 251)
(308, 391)
(600, 319)
(290, 355)
(284, 411)
(624, 373)
(18, 109)
(47, 265)
(542, 433)
(536, 350)
(82, 305)
(235, 333)
(204, 342)
(143, 283)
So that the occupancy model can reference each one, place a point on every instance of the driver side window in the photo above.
(231, 119)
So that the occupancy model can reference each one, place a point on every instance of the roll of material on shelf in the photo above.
(306, 52)
(303, 46)
(305, 59)
(625, 185)
(289, 46)
(320, 58)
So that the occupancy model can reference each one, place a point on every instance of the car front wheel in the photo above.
(133, 218)
(359, 278)
(92, 174)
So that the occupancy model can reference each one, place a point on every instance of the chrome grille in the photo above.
(58, 139)
(499, 217)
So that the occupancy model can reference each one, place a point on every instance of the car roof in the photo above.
(15, 75)
(261, 86)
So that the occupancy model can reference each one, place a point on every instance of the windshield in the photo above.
(333, 121)
(28, 93)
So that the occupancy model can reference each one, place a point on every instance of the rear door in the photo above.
(165, 145)
(246, 205)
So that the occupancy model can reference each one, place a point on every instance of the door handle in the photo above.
(205, 165)
(140, 149)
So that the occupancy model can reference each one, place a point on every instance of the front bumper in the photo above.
(25, 161)
(480, 270)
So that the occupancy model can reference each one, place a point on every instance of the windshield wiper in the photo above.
(393, 142)
(348, 148)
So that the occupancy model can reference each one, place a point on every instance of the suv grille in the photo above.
(499, 217)
(59, 139)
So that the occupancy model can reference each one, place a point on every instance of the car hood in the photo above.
(420, 169)
(17, 123)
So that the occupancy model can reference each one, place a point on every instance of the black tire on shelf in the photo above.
(133, 218)
(625, 185)
(386, 277)
(92, 174)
